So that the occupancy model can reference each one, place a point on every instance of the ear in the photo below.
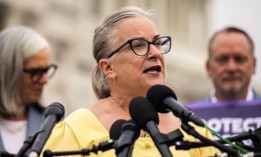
(254, 65)
(106, 68)
(208, 68)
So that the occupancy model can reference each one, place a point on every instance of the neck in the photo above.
(231, 96)
(120, 103)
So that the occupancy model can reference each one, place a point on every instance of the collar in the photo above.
(250, 96)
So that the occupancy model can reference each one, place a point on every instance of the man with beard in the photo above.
(230, 65)
(233, 106)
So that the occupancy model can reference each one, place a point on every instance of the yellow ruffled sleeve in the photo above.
(78, 131)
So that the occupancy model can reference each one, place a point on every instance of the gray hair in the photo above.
(17, 44)
(231, 29)
(105, 36)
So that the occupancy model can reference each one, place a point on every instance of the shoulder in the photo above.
(83, 122)
(35, 117)
(80, 129)
(256, 94)
(81, 117)
(204, 100)
(36, 112)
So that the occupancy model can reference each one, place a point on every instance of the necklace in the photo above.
(145, 134)
(12, 127)
(120, 104)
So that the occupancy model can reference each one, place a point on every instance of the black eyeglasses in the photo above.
(37, 73)
(141, 46)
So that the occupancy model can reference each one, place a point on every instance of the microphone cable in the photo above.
(244, 151)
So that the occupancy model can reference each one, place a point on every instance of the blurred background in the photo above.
(69, 27)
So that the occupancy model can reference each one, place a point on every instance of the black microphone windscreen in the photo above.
(142, 111)
(56, 109)
(115, 130)
(157, 93)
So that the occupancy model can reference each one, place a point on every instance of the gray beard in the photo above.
(231, 94)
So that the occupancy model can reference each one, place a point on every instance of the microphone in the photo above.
(115, 130)
(126, 133)
(165, 100)
(53, 114)
(147, 119)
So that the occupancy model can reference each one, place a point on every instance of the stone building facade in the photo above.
(69, 26)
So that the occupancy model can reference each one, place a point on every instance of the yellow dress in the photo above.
(81, 130)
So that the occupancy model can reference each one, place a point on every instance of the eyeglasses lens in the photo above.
(141, 47)
(36, 74)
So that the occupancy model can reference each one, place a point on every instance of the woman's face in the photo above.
(32, 91)
(137, 73)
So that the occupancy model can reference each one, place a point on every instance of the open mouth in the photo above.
(153, 69)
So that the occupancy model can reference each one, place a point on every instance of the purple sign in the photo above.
(229, 118)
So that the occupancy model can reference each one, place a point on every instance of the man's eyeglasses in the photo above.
(141, 46)
(37, 73)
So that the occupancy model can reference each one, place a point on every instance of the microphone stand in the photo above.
(6, 154)
(125, 150)
(103, 146)
(190, 130)
(254, 136)
(49, 153)
(186, 145)
(257, 140)
(169, 138)
(27, 144)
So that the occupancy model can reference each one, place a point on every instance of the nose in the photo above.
(44, 79)
(154, 52)
(232, 65)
